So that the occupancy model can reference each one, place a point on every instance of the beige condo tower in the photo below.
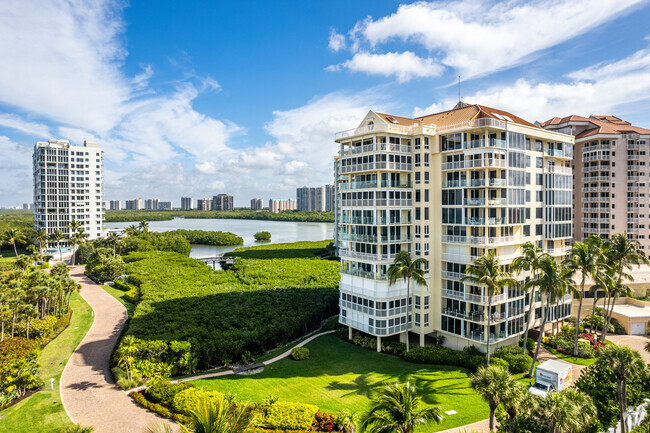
(448, 187)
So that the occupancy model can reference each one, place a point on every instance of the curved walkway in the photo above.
(88, 393)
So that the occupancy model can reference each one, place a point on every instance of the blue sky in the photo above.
(199, 98)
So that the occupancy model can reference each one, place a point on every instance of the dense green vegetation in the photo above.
(339, 376)
(295, 250)
(204, 237)
(154, 215)
(15, 220)
(262, 236)
(228, 316)
(44, 409)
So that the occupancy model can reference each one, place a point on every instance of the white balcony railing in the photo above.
(375, 147)
(369, 129)
(477, 299)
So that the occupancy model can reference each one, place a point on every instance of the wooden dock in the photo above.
(224, 261)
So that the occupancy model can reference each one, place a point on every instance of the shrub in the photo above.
(76, 428)
(586, 350)
(498, 362)
(445, 356)
(185, 401)
(300, 353)
(262, 236)
(140, 399)
(530, 344)
(289, 416)
(162, 391)
(517, 361)
(42, 328)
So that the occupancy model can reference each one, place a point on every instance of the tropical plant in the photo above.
(12, 236)
(516, 399)
(143, 226)
(219, 416)
(528, 261)
(262, 236)
(488, 272)
(626, 364)
(568, 410)
(57, 236)
(396, 409)
(41, 237)
(406, 269)
(77, 238)
(493, 384)
(553, 282)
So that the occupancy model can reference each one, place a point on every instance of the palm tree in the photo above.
(57, 236)
(407, 269)
(583, 258)
(12, 236)
(113, 238)
(220, 416)
(515, 399)
(41, 237)
(126, 354)
(553, 282)
(622, 254)
(566, 410)
(626, 364)
(488, 272)
(74, 226)
(143, 226)
(396, 409)
(528, 261)
(131, 230)
(493, 384)
(77, 239)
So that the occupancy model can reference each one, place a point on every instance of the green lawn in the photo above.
(119, 295)
(339, 375)
(573, 359)
(43, 411)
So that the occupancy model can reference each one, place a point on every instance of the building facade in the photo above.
(611, 166)
(330, 198)
(204, 204)
(187, 203)
(311, 198)
(68, 185)
(165, 205)
(279, 205)
(449, 188)
(257, 204)
(133, 204)
(115, 205)
(223, 202)
(151, 204)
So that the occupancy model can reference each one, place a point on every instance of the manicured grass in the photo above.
(573, 359)
(339, 375)
(43, 411)
(119, 295)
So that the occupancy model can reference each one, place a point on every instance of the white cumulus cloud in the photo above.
(404, 66)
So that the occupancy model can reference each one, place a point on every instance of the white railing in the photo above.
(366, 256)
(371, 166)
(634, 167)
(595, 231)
(477, 299)
(596, 147)
(369, 129)
(459, 258)
(449, 275)
(481, 240)
(559, 169)
(634, 178)
(595, 209)
(595, 189)
(632, 220)
(597, 220)
(455, 165)
(375, 147)
(597, 168)
(596, 199)
(475, 123)
(586, 179)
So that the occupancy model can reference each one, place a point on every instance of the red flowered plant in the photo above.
(564, 352)
(586, 336)
(598, 345)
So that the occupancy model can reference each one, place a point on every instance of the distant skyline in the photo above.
(201, 98)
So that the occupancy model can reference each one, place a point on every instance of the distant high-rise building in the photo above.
(133, 204)
(222, 202)
(276, 206)
(204, 204)
(151, 204)
(311, 198)
(165, 205)
(330, 197)
(27, 206)
(256, 204)
(115, 205)
(62, 193)
(186, 203)
(105, 205)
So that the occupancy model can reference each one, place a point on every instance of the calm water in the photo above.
(281, 231)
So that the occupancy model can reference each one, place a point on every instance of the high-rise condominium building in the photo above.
(115, 205)
(448, 188)
(330, 197)
(280, 205)
(186, 203)
(257, 204)
(205, 204)
(165, 205)
(133, 204)
(68, 185)
(222, 202)
(151, 204)
(611, 167)
(311, 198)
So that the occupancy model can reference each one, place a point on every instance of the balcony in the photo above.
(365, 274)
(595, 210)
(587, 179)
(559, 153)
(597, 168)
(349, 254)
(597, 220)
(633, 146)
(595, 147)
(458, 258)
(633, 220)
(369, 129)
(481, 240)
(483, 221)
(373, 184)
(596, 199)
(595, 231)
(474, 123)
(374, 221)
(485, 162)
(490, 142)
(476, 299)
(595, 189)
(377, 202)
(558, 169)
(374, 166)
(633, 167)
(474, 202)
(633, 230)
(374, 239)
(376, 147)
(634, 178)
(456, 276)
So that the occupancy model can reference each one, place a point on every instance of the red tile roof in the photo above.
(601, 125)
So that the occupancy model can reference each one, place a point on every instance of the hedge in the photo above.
(289, 416)
(300, 353)
(468, 358)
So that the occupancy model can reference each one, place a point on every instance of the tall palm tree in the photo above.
(113, 238)
(77, 239)
(41, 237)
(553, 282)
(487, 271)
(219, 416)
(515, 399)
(74, 226)
(407, 269)
(57, 236)
(528, 261)
(396, 409)
(568, 410)
(622, 254)
(493, 384)
(583, 258)
(12, 236)
(143, 226)
(131, 230)
(626, 364)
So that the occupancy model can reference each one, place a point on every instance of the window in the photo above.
(426, 231)
(426, 177)
(539, 196)
(418, 196)
(426, 213)
(426, 319)
(426, 301)
(417, 159)
(426, 142)
(417, 231)
(538, 230)
(417, 319)
(417, 143)
(426, 159)
(417, 214)
(418, 248)
(426, 248)
(417, 177)
(426, 195)
(417, 302)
